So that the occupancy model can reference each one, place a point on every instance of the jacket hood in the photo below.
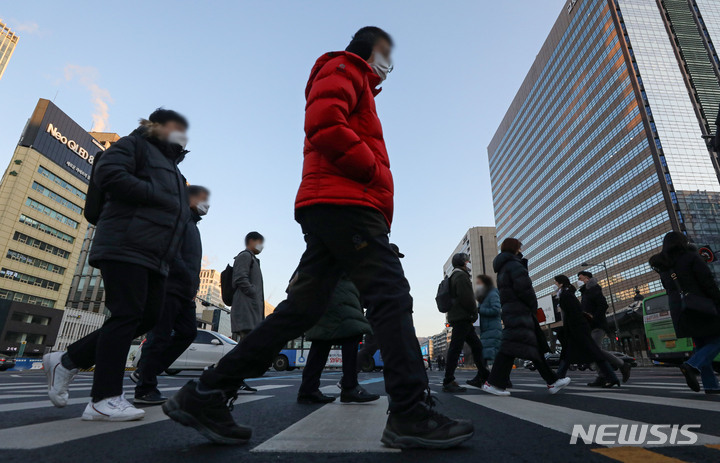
(361, 64)
(591, 282)
(502, 259)
(151, 132)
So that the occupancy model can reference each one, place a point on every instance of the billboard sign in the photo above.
(546, 304)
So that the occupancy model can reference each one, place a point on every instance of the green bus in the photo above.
(663, 344)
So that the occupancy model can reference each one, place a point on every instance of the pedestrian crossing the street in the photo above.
(31, 423)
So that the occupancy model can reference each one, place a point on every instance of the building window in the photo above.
(35, 262)
(30, 338)
(56, 197)
(46, 228)
(26, 298)
(51, 212)
(49, 175)
(30, 318)
(41, 245)
(29, 279)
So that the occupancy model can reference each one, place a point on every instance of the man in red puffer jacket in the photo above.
(345, 208)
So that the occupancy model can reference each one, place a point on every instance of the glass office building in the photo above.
(602, 150)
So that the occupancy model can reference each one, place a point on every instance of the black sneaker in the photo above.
(244, 387)
(690, 376)
(357, 395)
(208, 413)
(423, 427)
(453, 388)
(599, 382)
(151, 398)
(135, 376)
(477, 381)
(316, 397)
(625, 370)
(610, 384)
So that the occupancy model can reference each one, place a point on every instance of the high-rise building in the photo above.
(42, 196)
(210, 290)
(8, 41)
(602, 152)
(480, 244)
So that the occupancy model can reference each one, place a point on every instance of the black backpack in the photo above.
(226, 283)
(444, 299)
(95, 198)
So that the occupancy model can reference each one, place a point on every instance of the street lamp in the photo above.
(612, 300)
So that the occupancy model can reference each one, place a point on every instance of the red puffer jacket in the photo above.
(346, 162)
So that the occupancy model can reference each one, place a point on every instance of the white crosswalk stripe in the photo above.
(705, 405)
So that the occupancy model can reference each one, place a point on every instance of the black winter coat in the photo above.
(522, 335)
(184, 277)
(594, 303)
(695, 277)
(464, 307)
(578, 345)
(146, 209)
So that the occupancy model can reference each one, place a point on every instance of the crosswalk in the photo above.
(350, 429)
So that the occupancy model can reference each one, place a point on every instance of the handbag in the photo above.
(695, 303)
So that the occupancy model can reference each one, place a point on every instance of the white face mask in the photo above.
(580, 282)
(177, 138)
(381, 65)
(202, 208)
(259, 247)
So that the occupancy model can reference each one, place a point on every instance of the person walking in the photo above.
(522, 336)
(595, 305)
(489, 311)
(345, 208)
(176, 328)
(248, 305)
(139, 232)
(461, 316)
(578, 344)
(694, 307)
(343, 324)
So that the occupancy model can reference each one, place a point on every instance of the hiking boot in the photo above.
(207, 412)
(316, 397)
(453, 388)
(422, 427)
(625, 370)
(357, 395)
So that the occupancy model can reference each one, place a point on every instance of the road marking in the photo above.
(707, 405)
(40, 435)
(373, 380)
(330, 430)
(557, 418)
(20, 396)
(635, 455)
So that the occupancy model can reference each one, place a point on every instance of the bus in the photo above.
(663, 344)
(295, 352)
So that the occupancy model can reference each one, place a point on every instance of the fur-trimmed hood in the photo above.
(151, 131)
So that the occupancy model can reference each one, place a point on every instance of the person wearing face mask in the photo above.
(345, 208)
(176, 327)
(489, 311)
(139, 230)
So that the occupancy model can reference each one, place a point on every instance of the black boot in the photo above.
(422, 427)
(690, 376)
(208, 413)
(316, 397)
(625, 370)
(357, 395)
(478, 380)
(453, 387)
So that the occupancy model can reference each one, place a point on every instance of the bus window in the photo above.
(657, 305)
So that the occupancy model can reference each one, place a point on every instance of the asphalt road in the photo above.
(530, 426)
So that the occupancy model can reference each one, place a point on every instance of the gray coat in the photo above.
(248, 307)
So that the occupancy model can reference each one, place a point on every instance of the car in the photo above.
(6, 362)
(553, 360)
(207, 349)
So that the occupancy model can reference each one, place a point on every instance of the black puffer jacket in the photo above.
(522, 335)
(184, 277)
(464, 308)
(146, 202)
(695, 278)
(594, 303)
(578, 345)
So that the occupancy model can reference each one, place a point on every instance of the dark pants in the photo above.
(367, 352)
(174, 332)
(317, 358)
(500, 373)
(463, 332)
(354, 241)
(134, 296)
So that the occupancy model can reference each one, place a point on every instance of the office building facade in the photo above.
(481, 245)
(8, 42)
(601, 152)
(42, 196)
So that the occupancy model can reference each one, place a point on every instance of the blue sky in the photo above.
(238, 71)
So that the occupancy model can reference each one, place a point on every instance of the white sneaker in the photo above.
(487, 387)
(555, 387)
(112, 409)
(58, 378)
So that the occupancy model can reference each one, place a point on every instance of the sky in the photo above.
(238, 70)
